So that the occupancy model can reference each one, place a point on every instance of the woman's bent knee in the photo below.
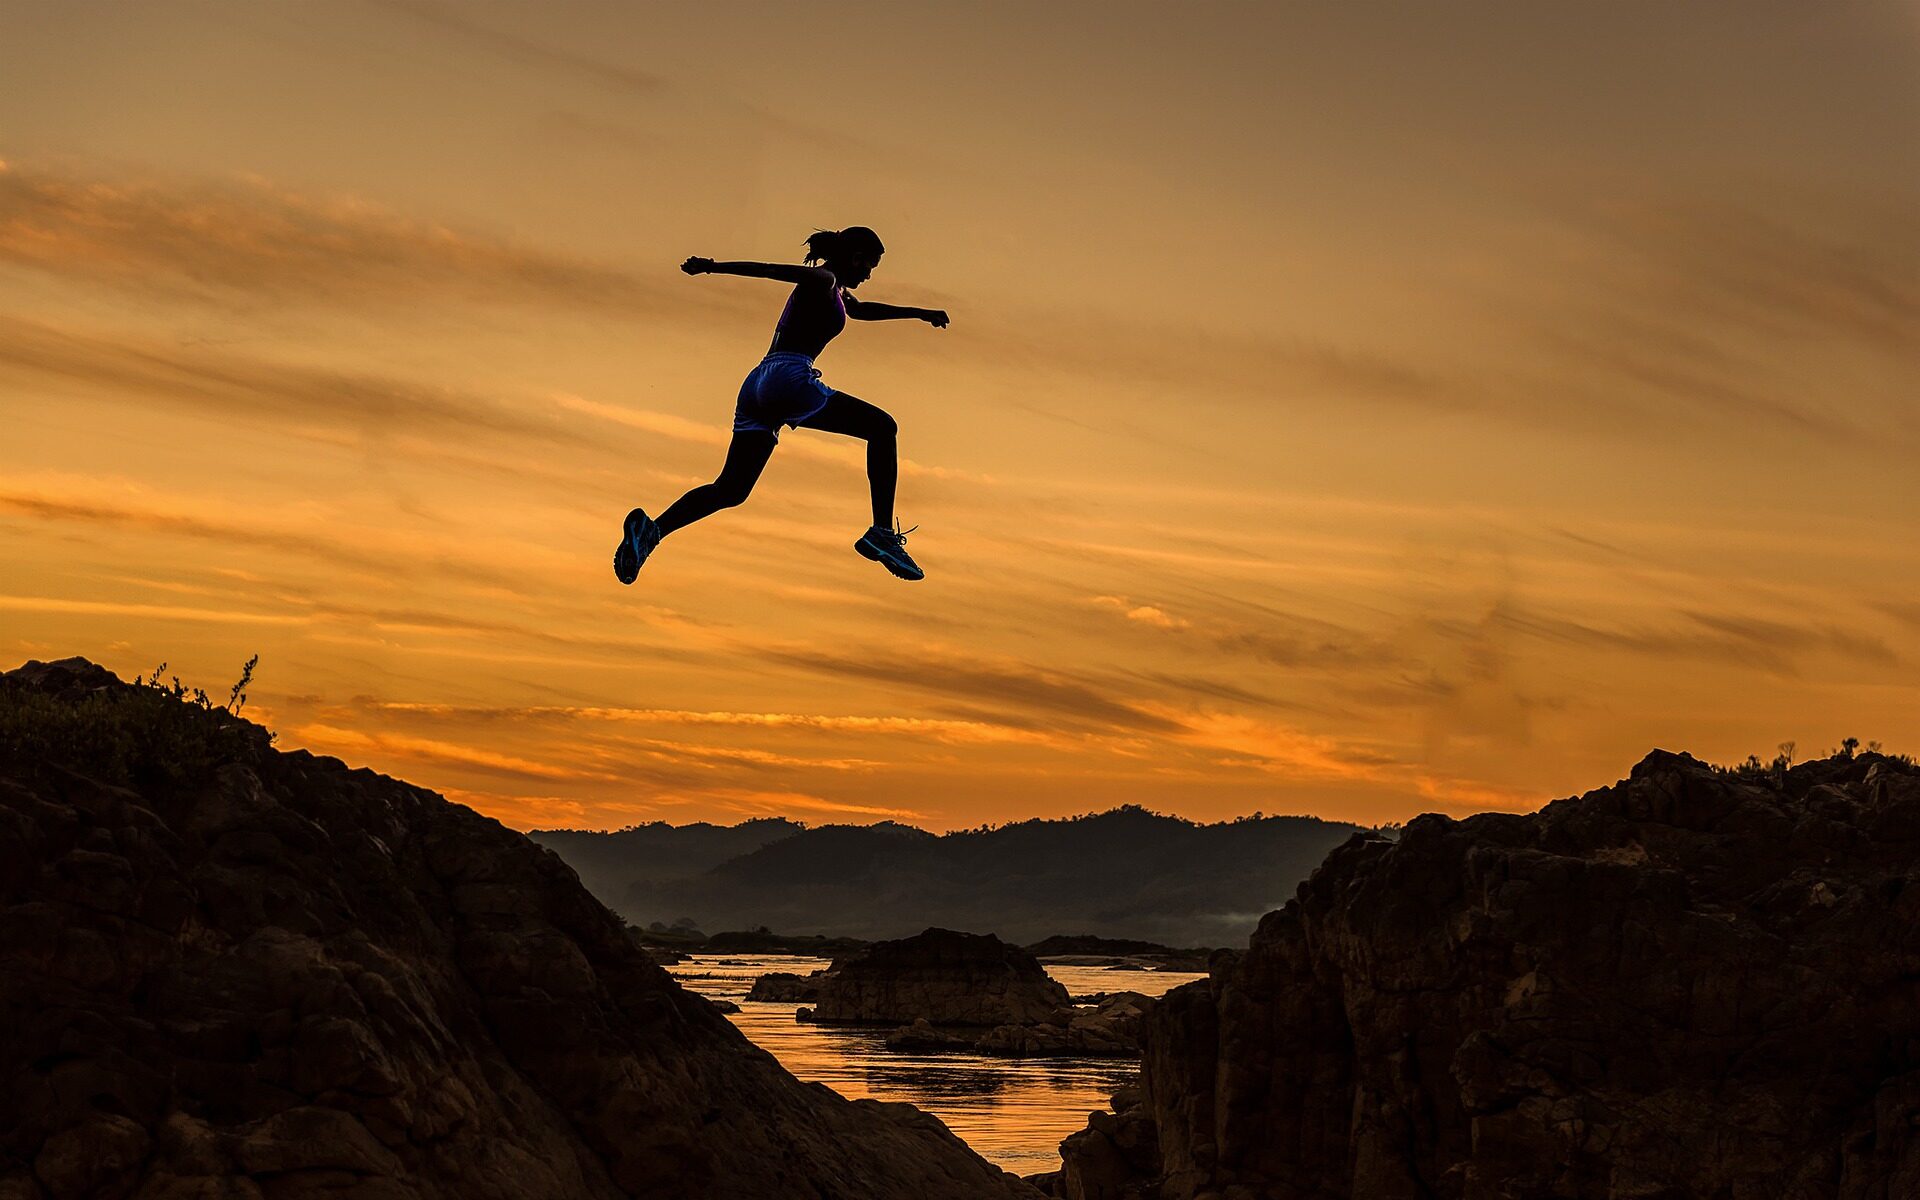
(884, 427)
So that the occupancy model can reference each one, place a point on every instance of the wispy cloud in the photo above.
(1079, 703)
(960, 732)
(776, 803)
(1644, 309)
(1227, 369)
(456, 22)
(1906, 612)
(548, 57)
(1763, 633)
(248, 237)
(1708, 311)
(285, 537)
(1724, 637)
(123, 608)
(1845, 269)
(287, 395)
(334, 739)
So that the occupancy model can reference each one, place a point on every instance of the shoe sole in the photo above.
(867, 551)
(626, 560)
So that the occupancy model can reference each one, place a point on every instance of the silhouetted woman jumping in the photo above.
(785, 389)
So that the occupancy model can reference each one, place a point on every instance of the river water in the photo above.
(1012, 1111)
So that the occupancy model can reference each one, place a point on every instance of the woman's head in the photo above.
(851, 254)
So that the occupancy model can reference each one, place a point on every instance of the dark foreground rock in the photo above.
(1116, 1157)
(281, 978)
(940, 976)
(1689, 984)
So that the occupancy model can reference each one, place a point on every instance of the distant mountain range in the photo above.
(1127, 873)
(608, 862)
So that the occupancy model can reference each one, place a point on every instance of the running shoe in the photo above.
(641, 536)
(888, 547)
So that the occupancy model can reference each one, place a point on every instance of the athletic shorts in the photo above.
(785, 389)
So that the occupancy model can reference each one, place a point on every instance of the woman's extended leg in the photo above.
(746, 457)
(854, 417)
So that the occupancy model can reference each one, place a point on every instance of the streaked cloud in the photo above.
(118, 608)
(222, 384)
(746, 802)
(959, 732)
(245, 236)
(360, 742)
(1078, 703)
(547, 56)
(456, 22)
(238, 531)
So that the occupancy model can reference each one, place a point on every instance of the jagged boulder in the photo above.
(1116, 1157)
(1690, 984)
(278, 977)
(940, 976)
(1111, 1029)
(785, 987)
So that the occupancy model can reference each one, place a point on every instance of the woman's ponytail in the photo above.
(828, 245)
(821, 245)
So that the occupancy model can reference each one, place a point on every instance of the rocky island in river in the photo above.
(946, 990)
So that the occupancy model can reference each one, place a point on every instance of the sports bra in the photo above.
(807, 325)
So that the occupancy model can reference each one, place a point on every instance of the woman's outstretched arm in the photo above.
(873, 310)
(786, 272)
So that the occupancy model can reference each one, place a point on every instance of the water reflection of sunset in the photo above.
(1012, 1111)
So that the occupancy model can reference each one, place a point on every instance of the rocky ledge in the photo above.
(1693, 983)
(273, 978)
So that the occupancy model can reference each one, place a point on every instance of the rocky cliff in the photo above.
(1689, 984)
(272, 977)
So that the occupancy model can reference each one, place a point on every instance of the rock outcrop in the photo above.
(785, 987)
(1110, 1029)
(940, 976)
(1116, 1157)
(1690, 984)
(281, 978)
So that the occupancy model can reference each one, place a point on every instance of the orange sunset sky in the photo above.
(1347, 409)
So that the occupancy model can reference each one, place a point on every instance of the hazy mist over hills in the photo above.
(608, 862)
(1127, 872)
